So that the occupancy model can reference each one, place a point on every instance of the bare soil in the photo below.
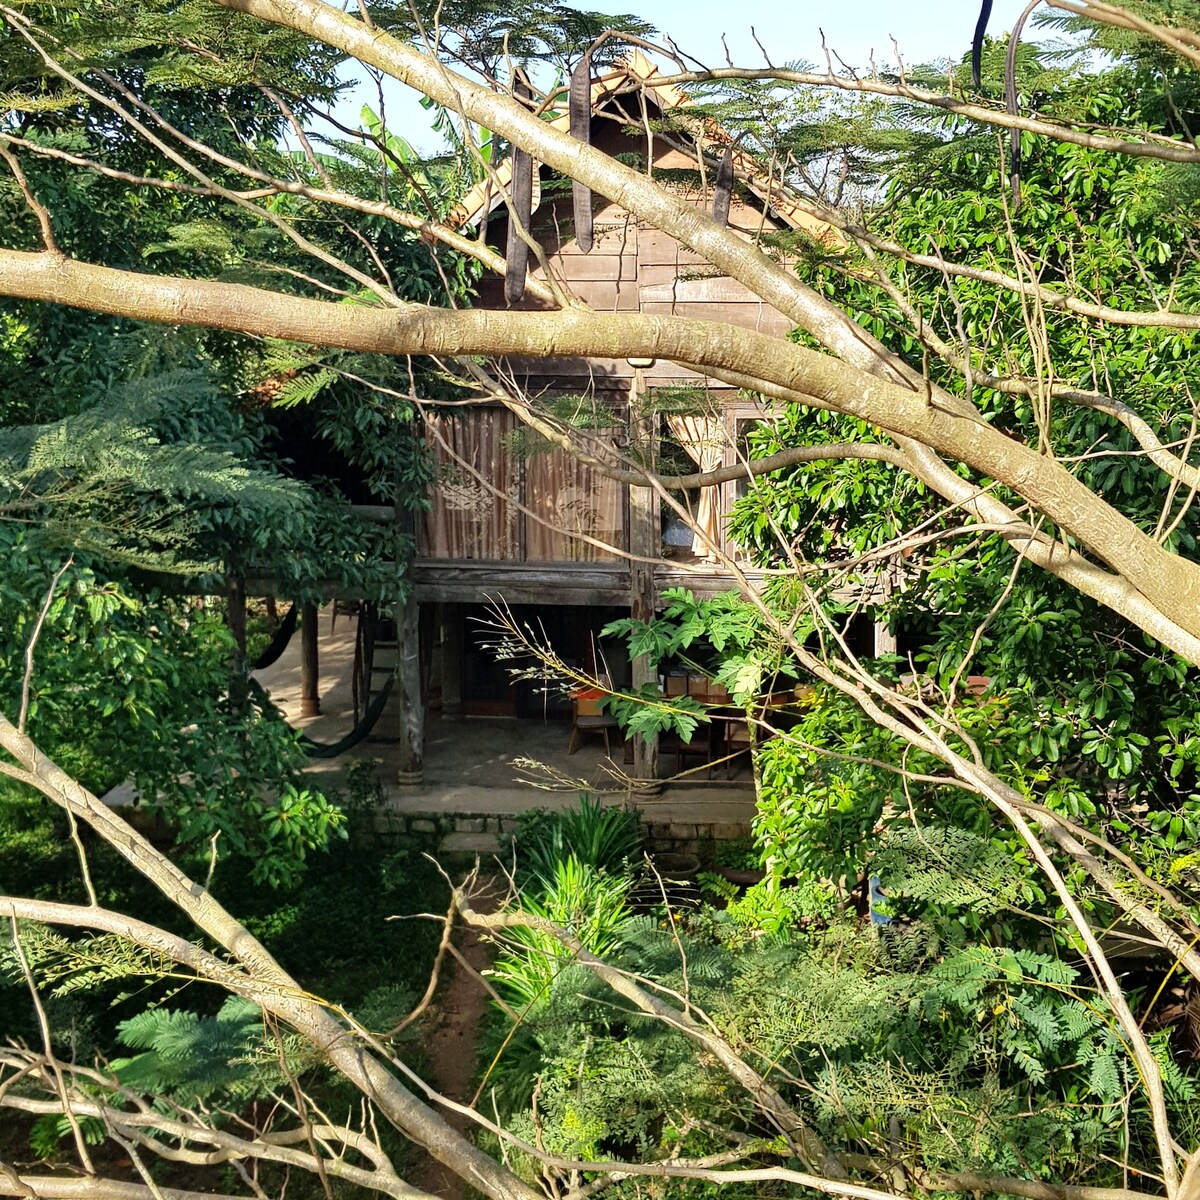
(451, 1050)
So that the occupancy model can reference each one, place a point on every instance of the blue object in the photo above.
(876, 897)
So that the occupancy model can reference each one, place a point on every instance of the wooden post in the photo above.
(645, 541)
(408, 661)
(310, 701)
(885, 585)
(408, 685)
(236, 617)
(452, 661)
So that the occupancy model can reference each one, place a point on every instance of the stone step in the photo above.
(484, 844)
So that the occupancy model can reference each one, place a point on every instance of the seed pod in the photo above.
(1010, 103)
(581, 131)
(985, 11)
(723, 188)
(521, 196)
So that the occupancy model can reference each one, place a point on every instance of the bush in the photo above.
(605, 838)
(577, 897)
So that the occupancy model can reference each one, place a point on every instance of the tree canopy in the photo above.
(987, 402)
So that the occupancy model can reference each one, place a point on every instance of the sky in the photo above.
(925, 30)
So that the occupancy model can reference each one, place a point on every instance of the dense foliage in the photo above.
(926, 1038)
(969, 1032)
(902, 979)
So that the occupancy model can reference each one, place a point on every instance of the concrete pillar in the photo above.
(310, 701)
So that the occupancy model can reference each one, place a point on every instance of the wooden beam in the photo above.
(447, 581)
(381, 514)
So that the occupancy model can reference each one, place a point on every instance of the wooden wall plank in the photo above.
(614, 232)
(719, 289)
(602, 369)
(605, 296)
(664, 372)
(596, 265)
(745, 316)
(656, 248)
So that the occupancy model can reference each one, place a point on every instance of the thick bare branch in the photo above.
(1153, 146)
(775, 285)
(1170, 584)
(196, 1142)
(263, 981)
(95, 1187)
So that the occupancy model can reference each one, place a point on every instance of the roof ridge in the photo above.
(637, 67)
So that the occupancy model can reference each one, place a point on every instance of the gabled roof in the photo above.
(637, 71)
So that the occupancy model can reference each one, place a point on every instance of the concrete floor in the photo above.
(486, 764)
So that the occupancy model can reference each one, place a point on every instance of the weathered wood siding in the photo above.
(634, 268)
(631, 268)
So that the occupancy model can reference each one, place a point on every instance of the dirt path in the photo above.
(451, 1049)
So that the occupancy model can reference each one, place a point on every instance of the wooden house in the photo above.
(528, 525)
(515, 521)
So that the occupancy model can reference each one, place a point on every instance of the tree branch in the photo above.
(1154, 145)
(264, 982)
(1169, 583)
(94, 1187)
(806, 1142)
(38, 209)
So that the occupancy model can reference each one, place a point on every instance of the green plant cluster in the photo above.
(574, 868)
(135, 686)
(913, 1040)
(164, 1034)
(1081, 712)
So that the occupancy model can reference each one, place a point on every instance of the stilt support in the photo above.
(452, 661)
(310, 700)
(412, 702)
(645, 544)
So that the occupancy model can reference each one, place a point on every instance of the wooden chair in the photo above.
(737, 742)
(581, 725)
(587, 717)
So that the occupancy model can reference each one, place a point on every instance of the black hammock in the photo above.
(278, 643)
(314, 749)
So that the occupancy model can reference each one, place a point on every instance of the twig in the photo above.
(43, 1021)
(38, 209)
(434, 974)
(31, 644)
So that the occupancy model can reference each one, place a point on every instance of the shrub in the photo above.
(576, 896)
(605, 838)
